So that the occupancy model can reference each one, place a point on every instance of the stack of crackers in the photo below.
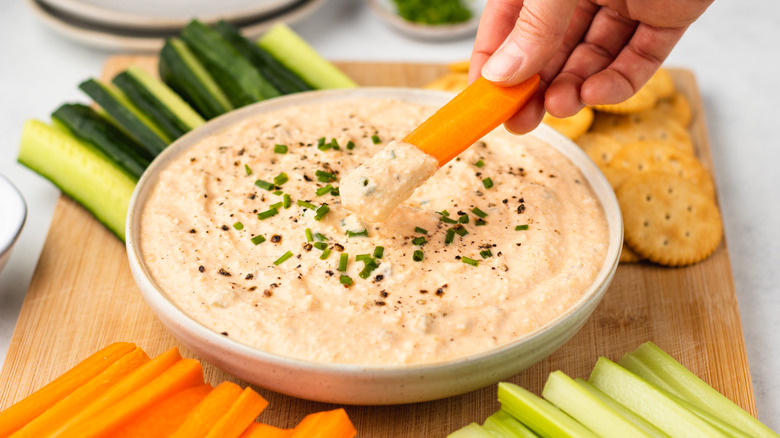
(643, 147)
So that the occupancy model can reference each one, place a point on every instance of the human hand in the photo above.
(587, 52)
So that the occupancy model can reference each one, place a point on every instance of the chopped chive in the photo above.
(320, 237)
(309, 237)
(284, 257)
(361, 233)
(366, 272)
(280, 149)
(325, 254)
(343, 260)
(286, 201)
(463, 219)
(324, 190)
(521, 227)
(320, 245)
(323, 176)
(479, 163)
(450, 236)
(335, 192)
(460, 230)
(281, 179)
(321, 145)
(257, 240)
(306, 204)
(278, 193)
(238, 226)
(248, 170)
(334, 144)
(345, 280)
(479, 212)
(375, 139)
(420, 230)
(419, 241)
(268, 213)
(469, 261)
(379, 251)
(362, 257)
(350, 145)
(486, 253)
(418, 256)
(443, 213)
(277, 205)
(447, 220)
(487, 182)
(480, 222)
(264, 185)
(321, 212)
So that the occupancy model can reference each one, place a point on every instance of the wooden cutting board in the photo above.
(82, 297)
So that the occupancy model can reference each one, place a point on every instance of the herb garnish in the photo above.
(284, 257)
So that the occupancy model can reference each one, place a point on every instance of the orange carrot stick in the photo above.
(260, 430)
(161, 419)
(325, 424)
(127, 385)
(24, 411)
(184, 374)
(243, 412)
(62, 411)
(477, 110)
(208, 412)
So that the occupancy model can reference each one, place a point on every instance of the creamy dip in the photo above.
(245, 232)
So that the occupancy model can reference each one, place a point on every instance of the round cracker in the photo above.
(627, 255)
(646, 125)
(676, 107)
(668, 220)
(453, 82)
(572, 127)
(615, 176)
(658, 86)
(655, 156)
(599, 147)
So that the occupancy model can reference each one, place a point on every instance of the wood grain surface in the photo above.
(82, 297)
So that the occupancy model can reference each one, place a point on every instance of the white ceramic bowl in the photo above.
(13, 212)
(356, 384)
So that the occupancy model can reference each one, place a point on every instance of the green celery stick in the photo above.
(538, 414)
(472, 430)
(562, 391)
(504, 425)
(663, 371)
(648, 401)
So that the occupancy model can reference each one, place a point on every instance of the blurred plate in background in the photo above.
(387, 11)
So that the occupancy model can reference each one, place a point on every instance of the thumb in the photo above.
(537, 35)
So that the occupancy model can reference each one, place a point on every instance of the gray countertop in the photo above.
(732, 50)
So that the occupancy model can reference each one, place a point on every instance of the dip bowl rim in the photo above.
(442, 378)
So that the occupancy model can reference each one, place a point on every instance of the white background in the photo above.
(732, 49)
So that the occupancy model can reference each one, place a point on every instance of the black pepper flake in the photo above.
(379, 277)
(222, 271)
(521, 200)
(383, 294)
(249, 276)
(338, 247)
(439, 292)
(423, 291)
(268, 293)
(276, 238)
(329, 272)
(252, 289)
(192, 231)
(201, 268)
(307, 246)
(224, 333)
(307, 178)
(380, 303)
(520, 208)
(224, 227)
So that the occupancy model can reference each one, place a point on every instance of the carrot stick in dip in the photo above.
(376, 187)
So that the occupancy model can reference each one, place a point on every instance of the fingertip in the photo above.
(605, 88)
(528, 118)
(562, 98)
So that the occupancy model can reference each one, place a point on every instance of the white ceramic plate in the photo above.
(368, 384)
(166, 14)
(13, 212)
(113, 39)
(386, 10)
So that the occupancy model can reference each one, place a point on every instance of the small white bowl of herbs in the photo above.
(435, 20)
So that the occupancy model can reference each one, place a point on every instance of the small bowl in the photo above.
(12, 216)
(388, 12)
(369, 384)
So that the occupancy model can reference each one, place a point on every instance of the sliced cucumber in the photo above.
(562, 391)
(126, 115)
(662, 370)
(87, 125)
(280, 76)
(169, 112)
(81, 172)
(297, 55)
(240, 80)
(505, 425)
(648, 401)
(538, 414)
(181, 71)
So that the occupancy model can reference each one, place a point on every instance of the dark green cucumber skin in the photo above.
(87, 125)
(137, 129)
(280, 76)
(175, 72)
(149, 104)
(237, 77)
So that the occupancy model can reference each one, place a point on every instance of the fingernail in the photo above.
(504, 63)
